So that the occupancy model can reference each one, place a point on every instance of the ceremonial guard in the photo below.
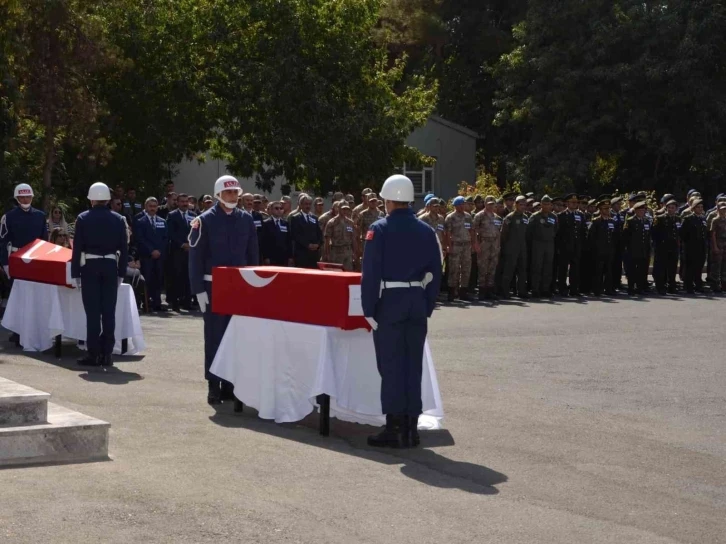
(541, 237)
(222, 236)
(459, 241)
(306, 235)
(487, 230)
(514, 250)
(401, 274)
(98, 265)
(636, 238)
(667, 241)
(341, 239)
(20, 226)
(179, 225)
(152, 241)
(694, 236)
(275, 238)
(602, 241)
(570, 237)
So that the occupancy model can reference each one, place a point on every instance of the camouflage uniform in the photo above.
(488, 228)
(365, 219)
(458, 227)
(435, 222)
(324, 219)
(718, 260)
(357, 210)
(340, 234)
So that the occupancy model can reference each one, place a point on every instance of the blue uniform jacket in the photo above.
(18, 228)
(100, 231)
(151, 235)
(179, 225)
(399, 247)
(221, 239)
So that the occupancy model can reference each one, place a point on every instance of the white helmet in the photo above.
(23, 190)
(397, 188)
(99, 191)
(226, 183)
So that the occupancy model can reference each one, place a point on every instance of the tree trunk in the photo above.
(48, 163)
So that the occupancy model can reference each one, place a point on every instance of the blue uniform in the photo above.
(151, 235)
(400, 248)
(18, 228)
(101, 238)
(218, 239)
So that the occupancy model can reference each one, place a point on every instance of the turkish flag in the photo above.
(299, 295)
(42, 262)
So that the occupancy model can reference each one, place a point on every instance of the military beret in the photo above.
(616, 200)
(458, 201)
(469, 199)
(429, 197)
(478, 198)
(520, 198)
(591, 202)
(509, 196)
(569, 196)
(546, 198)
(673, 202)
(639, 205)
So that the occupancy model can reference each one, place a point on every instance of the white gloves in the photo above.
(78, 282)
(7, 270)
(373, 323)
(203, 301)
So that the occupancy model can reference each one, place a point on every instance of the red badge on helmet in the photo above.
(232, 183)
(369, 235)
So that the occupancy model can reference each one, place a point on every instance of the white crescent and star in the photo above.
(28, 256)
(251, 277)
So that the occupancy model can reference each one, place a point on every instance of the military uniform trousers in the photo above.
(474, 273)
(179, 291)
(399, 345)
(694, 258)
(568, 265)
(99, 291)
(638, 272)
(459, 265)
(602, 272)
(487, 260)
(215, 326)
(543, 255)
(617, 266)
(665, 265)
(153, 272)
(718, 265)
(342, 255)
(515, 262)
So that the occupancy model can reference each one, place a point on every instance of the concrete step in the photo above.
(67, 437)
(21, 405)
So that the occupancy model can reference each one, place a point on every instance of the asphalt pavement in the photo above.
(592, 421)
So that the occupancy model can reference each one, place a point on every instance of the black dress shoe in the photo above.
(214, 392)
(88, 360)
(414, 438)
(392, 436)
(106, 360)
(175, 308)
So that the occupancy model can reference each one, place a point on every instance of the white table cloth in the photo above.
(39, 312)
(279, 368)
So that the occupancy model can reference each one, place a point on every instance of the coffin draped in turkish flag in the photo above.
(43, 262)
(300, 295)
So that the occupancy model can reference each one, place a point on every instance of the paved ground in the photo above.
(572, 422)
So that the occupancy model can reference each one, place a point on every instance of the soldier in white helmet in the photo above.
(223, 235)
(100, 256)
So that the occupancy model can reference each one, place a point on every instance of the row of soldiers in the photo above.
(576, 245)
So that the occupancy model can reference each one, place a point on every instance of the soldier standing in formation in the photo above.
(514, 250)
(667, 241)
(541, 234)
(694, 235)
(602, 240)
(459, 240)
(636, 237)
(341, 239)
(570, 237)
(487, 230)
(367, 217)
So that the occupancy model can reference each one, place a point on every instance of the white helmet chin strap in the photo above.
(25, 206)
(229, 205)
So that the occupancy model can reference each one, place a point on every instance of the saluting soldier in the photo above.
(541, 234)
(602, 241)
(459, 240)
(619, 220)
(667, 242)
(341, 239)
(636, 236)
(570, 237)
(718, 249)
(488, 230)
(514, 250)
(694, 235)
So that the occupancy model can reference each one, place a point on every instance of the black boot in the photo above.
(214, 394)
(106, 361)
(89, 360)
(392, 436)
(227, 391)
(413, 437)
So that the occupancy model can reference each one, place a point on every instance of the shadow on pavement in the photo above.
(420, 464)
(111, 376)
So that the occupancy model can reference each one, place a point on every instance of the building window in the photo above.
(423, 180)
